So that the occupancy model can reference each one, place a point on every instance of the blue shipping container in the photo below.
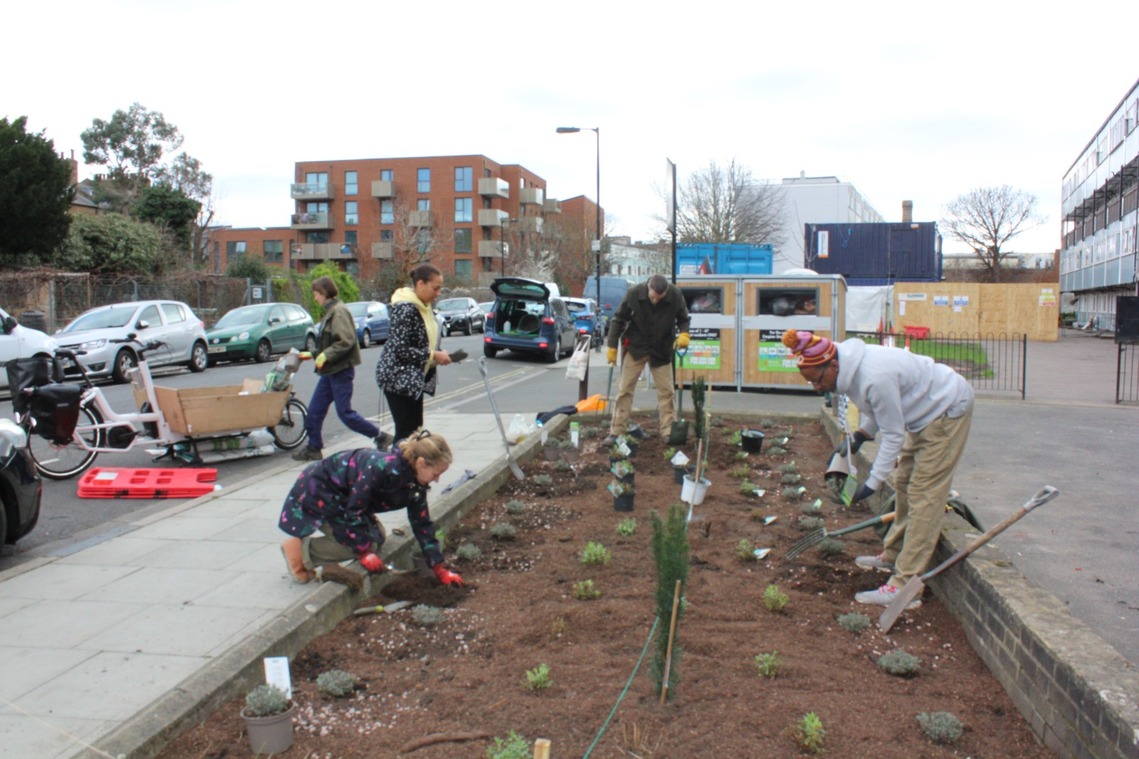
(699, 258)
(887, 252)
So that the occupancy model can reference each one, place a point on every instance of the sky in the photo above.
(906, 101)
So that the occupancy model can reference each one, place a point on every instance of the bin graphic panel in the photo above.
(712, 352)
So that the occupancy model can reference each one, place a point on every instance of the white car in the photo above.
(99, 334)
(18, 341)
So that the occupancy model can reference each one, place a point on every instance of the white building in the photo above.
(816, 200)
(1098, 220)
(636, 262)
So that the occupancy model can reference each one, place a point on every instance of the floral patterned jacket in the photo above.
(346, 489)
(400, 368)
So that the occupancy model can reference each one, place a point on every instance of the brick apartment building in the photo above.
(384, 214)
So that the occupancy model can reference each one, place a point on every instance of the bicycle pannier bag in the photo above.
(55, 409)
(35, 371)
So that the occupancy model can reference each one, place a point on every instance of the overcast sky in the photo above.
(904, 100)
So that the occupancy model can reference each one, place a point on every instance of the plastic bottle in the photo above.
(506, 326)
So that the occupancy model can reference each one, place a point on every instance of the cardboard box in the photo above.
(198, 411)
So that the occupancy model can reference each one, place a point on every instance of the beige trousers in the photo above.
(631, 369)
(924, 477)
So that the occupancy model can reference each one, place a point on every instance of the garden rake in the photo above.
(517, 470)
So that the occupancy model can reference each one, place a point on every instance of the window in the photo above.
(423, 241)
(317, 177)
(463, 212)
(386, 235)
(351, 186)
(316, 237)
(463, 270)
(424, 176)
(235, 249)
(150, 316)
(462, 241)
(463, 178)
(350, 236)
(386, 175)
(173, 313)
(387, 212)
(273, 251)
(320, 206)
(424, 204)
(351, 216)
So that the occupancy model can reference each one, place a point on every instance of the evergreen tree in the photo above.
(35, 195)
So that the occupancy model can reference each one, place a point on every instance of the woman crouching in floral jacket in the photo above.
(341, 495)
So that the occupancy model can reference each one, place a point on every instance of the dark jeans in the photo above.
(335, 388)
(407, 414)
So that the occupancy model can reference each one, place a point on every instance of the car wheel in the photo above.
(469, 329)
(489, 352)
(199, 358)
(125, 360)
(310, 344)
(264, 351)
(553, 357)
(366, 339)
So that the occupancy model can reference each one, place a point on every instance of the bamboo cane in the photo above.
(671, 639)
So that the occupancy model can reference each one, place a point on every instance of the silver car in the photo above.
(94, 332)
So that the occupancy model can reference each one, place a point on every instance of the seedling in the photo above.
(585, 590)
(832, 547)
(811, 733)
(793, 493)
(789, 468)
(627, 527)
(468, 552)
(813, 509)
(426, 616)
(899, 663)
(514, 746)
(747, 487)
(669, 453)
(941, 727)
(542, 480)
(741, 456)
(745, 550)
(595, 553)
(776, 450)
(336, 683)
(539, 677)
(810, 524)
(791, 479)
(503, 531)
(514, 506)
(774, 600)
(735, 438)
(854, 622)
(768, 664)
(742, 472)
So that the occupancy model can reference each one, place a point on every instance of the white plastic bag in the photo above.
(579, 361)
(518, 429)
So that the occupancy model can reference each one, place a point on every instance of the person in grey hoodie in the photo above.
(922, 411)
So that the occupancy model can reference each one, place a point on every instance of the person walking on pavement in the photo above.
(336, 362)
(406, 369)
(647, 320)
(341, 496)
(923, 410)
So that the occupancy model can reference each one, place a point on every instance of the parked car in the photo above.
(487, 307)
(169, 321)
(259, 331)
(461, 315)
(585, 318)
(18, 341)
(528, 319)
(21, 489)
(373, 322)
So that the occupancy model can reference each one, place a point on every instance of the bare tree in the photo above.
(986, 218)
(725, 204)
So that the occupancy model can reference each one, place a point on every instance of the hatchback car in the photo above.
(461, 315)
(259, 331)
(585, 318)
(18, 341)
(21, 489)
(169, 321)
(373, 322)
(528, 319)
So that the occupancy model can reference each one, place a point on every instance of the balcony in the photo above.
(494, 187)
(312, 191)
(533, 196)
(382, 188)
(420, 219)
(552, 205)
(492, 217)
(312, 220)
(491, 249)
(529, 224)
(384, 251)
(324, 251)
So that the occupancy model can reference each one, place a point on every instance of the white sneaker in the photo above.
(875, 562)
(883, 596)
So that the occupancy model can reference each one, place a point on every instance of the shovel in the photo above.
(914, 587)
(518, 474)
(678, 434)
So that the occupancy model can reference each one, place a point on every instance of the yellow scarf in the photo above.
(407, 295)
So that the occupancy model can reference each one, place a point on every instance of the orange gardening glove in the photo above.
(682, 341)
(612, 356)
(320, 360)
(446, 576)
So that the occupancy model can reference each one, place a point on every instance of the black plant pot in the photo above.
(678, 473)
(623, 502)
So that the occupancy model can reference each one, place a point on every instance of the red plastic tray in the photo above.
(109, 482)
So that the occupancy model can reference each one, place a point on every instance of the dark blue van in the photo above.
(527, 318)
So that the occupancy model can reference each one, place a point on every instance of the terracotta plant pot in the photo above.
(272, 734)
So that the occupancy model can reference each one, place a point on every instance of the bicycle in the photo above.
(99, 428)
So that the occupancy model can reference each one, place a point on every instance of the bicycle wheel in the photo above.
(61, 462)
(290, 432)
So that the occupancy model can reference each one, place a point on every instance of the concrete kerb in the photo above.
(240, 668)
(1077, 693)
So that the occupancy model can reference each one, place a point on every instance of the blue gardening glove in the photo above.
(864, 491)
(860, 437)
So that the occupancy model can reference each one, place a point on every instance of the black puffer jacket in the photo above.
(400, 368)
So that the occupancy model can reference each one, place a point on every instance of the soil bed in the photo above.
(466, 675)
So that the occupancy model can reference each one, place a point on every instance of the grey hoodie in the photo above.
(897, 392)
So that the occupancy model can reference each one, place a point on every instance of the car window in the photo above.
(150, 315)
(296, 313)
(277, 313)
(575, 307)
(240, 317)
(173, 313)
(115, 316)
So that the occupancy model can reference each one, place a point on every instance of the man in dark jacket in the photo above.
(647, 323)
